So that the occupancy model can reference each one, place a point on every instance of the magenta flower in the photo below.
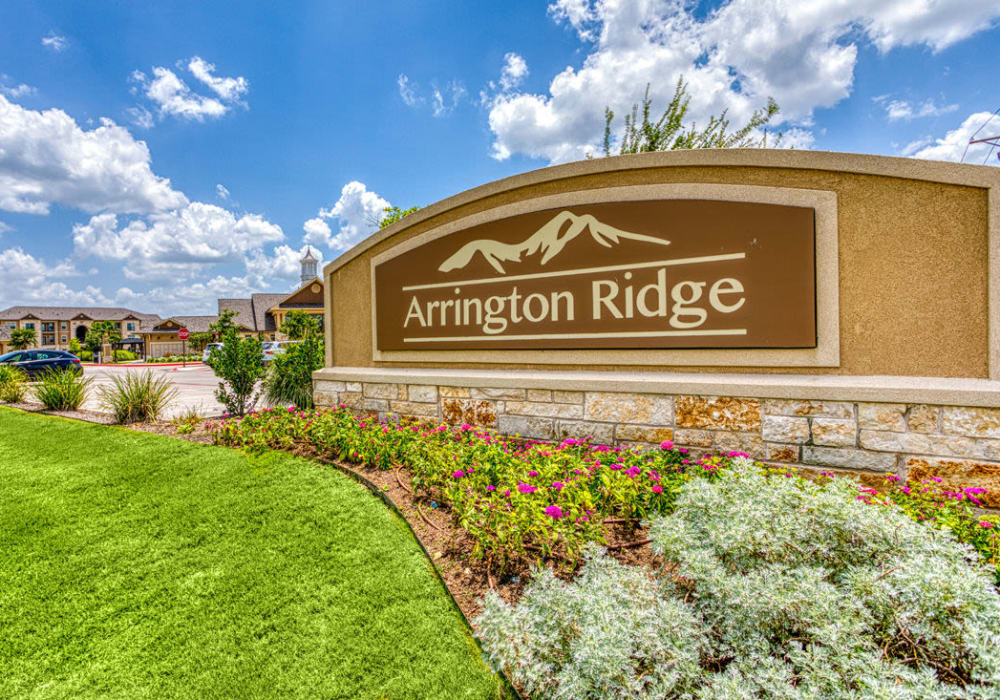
(491, 487)
(657, 488)
(558, 485)
(555, 512)
(526, 488)
(532, 473)
(985, 523)
(667, 445)
(457, 474)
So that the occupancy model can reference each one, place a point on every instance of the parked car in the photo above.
(35, 362)
(208, 350)
(273, 348)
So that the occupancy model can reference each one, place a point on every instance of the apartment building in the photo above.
(55, 326)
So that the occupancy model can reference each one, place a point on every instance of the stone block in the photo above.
(694, 438)
(785, 429)
(643, 433)
(422, 393)
(527, 426)
(957, 474)
(972, 422)
(381, 391)
(938, 445)
(538, 395)
(848, 458)
(454, 392)
(377, 405)
(834, 432)
(882, 416)
(873, 480)
(354, 386)
(351, 399)
(646, 409)
(325, 399)
(410, 409)
(599, 433)
(567, 396)
(328, 385)
(750, 443)
(922, 418)
(786, 454)
(471, 411)
(498, 393)
(718, 412)
(547, 410)
(826, 409)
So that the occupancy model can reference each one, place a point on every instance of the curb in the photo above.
(152, 364)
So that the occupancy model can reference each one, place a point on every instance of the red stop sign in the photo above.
(183, 334)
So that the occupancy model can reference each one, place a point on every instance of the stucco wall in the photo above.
(914, 243)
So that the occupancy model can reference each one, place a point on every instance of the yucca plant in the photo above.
(137, 397)
(62, 389)
(13, 384)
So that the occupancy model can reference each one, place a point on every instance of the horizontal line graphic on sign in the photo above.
(546, 336)
(581, 271)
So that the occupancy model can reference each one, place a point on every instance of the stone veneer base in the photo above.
(916, 427)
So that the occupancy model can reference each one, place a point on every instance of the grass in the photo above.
(135, 565)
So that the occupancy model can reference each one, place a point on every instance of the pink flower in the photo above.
(457, 474)
(985, 523)
(558, 485)
(532, 473)
(526, 488)
(657, 488)
(666, 445)
(491, 487)
(555, 512)
(506, 493)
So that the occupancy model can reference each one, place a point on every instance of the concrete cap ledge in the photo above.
(879, 389)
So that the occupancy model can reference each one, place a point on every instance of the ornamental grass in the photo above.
(13, 384)
(62, 389)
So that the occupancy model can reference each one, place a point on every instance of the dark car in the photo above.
(35, 362)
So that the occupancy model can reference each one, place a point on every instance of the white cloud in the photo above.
(180, 244)
(283, 264)
(30, 279)
(141, 117)
(221, 192)
(407, 90)
(802, 54)
(5, 227)
(514, 70)
(896, 110)
(46, 158)
(14, 91)
(357, 214)
(955, 144)
(229, 89)
(318, 232)
(172, 96)
(55, 42)
(445, 100)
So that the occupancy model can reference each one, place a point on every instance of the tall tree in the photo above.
(22, 338)
(224, 325)
(299, 324)
(668, 133)
(101, 332)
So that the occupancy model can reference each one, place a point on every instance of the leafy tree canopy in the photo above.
(668, 133)
(221, 328)
(299, 324)
(22, 338)
(101, 332)
(394, 214)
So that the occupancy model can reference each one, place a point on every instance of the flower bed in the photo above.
(526, 500)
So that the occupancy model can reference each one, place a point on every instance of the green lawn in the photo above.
(134, 565)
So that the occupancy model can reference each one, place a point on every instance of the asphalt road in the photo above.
(195, 387)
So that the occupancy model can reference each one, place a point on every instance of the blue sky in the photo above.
(158, 155)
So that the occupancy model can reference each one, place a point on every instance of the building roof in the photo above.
(309, 256)
(4, 333)
(244, 311)
(195, 324)
(67, 313)
(261, 303)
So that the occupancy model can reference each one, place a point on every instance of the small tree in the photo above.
(99, 333)
(299, 324)
(668, 133)
(289, 377)
(74, 346)
(239, 363)
(198, 341)
(224, 325)
(22, 338)
(394, 214)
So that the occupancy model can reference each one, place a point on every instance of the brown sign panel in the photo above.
(645, 274)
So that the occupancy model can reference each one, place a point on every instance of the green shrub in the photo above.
(124, 356)
(289, 375)
(800, 590)
(239, 363)
(62, 389)
(13, 384)
(85, 355)
(137, 397)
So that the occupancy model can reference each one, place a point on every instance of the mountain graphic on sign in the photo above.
(550, 239)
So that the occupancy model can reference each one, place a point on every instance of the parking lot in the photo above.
(195, 387)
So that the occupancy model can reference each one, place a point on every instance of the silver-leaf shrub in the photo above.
(785, 589)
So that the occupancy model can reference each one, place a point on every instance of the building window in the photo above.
(48, 339)
(30, 326)
(130, 326)
(48, 327)
(11, 324)
(63, 339)
(63, 325)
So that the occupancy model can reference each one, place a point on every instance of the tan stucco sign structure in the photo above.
(655, 273)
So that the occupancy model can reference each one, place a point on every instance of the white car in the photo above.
(273, 348)
(208, 350)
